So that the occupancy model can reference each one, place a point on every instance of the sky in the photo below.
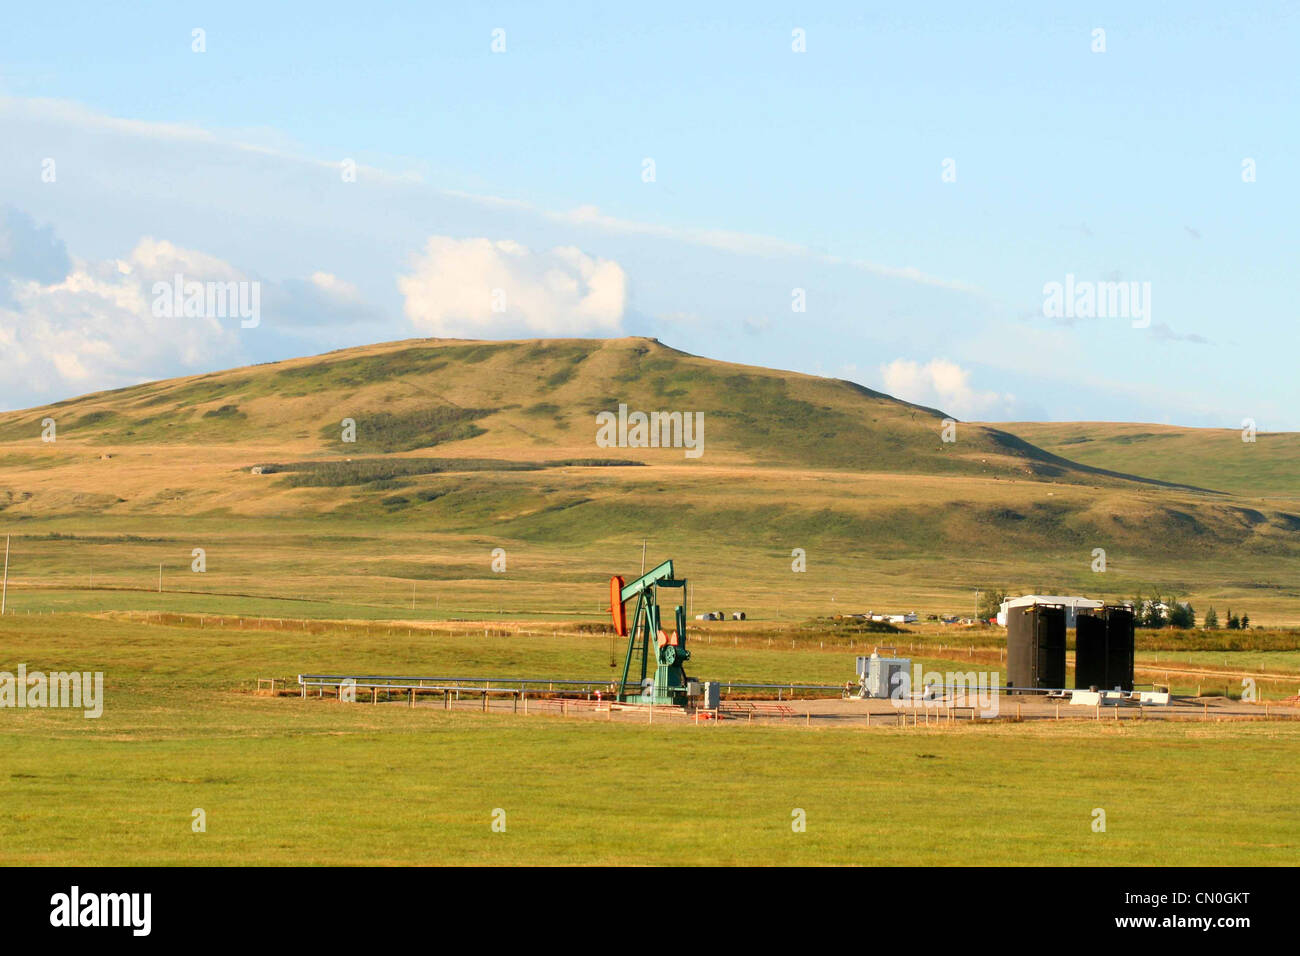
(882, 194)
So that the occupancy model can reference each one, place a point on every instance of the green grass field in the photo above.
(284, 780)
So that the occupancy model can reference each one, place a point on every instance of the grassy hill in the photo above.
(1207, 457)
(463, 447)
(512, 399)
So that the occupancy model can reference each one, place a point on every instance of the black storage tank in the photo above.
(1036, 646)
(1103, 653)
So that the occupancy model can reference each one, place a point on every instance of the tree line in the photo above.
(1149, 610)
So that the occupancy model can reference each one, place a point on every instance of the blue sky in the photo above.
(775, 170)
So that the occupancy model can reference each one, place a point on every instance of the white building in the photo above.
(908, 618)
(1072, 605)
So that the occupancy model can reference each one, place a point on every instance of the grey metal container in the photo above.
(710, 695)
(878, 674)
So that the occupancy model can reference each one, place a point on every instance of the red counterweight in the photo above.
(616, 608)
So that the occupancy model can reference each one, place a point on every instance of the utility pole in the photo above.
(4, 592)
(643, 556)
(160, 578)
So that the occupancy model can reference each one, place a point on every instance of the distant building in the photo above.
(908, 618)
(1072, 605)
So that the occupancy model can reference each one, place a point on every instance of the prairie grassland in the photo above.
(468, 447)
(293, 782)
(379, 557)
(340, 566)
(286, 781)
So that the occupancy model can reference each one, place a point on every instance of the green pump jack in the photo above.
(669, 684)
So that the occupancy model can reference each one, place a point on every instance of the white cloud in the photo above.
(69, 325)
(480, 287)
(944, 385)
(94, 328)
(158, 259)
(332, 285)
(725, 240)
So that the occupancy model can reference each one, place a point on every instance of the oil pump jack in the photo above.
(668, 685)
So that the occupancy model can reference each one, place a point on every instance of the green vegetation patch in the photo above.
(197, 392)
(362, 471)
(405, 431)
(228, 412)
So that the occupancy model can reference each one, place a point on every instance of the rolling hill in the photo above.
(1206, 457)
(512, 399)
(462, 446)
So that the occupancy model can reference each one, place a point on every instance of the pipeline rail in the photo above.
(507, 684)
(726, 687)
(452, 688)
(477, 684)
(449, 687)
(536, 684)
(785, 686)
(526, 685)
